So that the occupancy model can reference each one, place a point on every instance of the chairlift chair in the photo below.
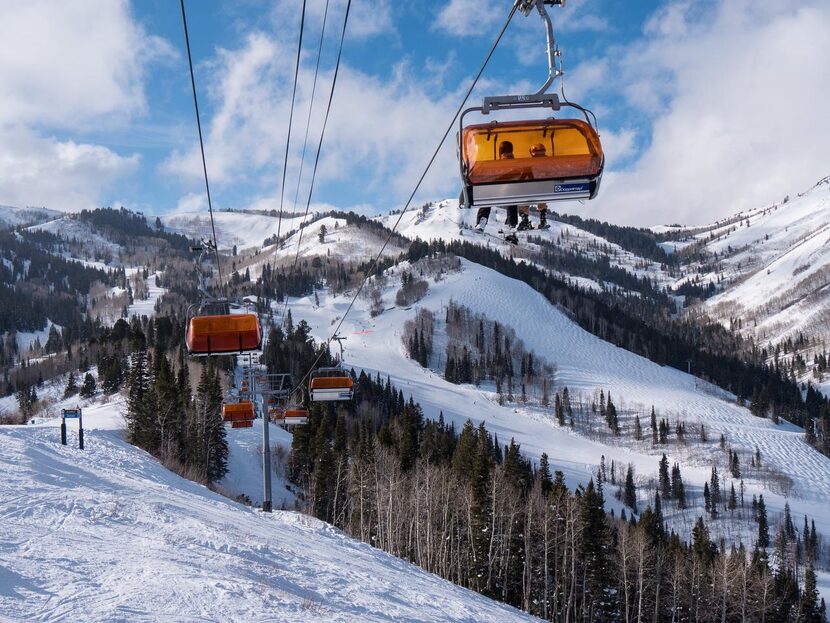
(235, 412)
(553, 159)
(295, 416)
(331, 384)
(211, 333)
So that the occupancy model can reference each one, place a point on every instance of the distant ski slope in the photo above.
(780, 268)
(108, 534)
(584, 364)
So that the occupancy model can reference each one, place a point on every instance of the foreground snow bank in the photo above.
(110, 534)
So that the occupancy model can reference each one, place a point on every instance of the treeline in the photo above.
(126, 228)
(600, 269)
(478, 513)
(639, 241)
(629, 323)
(371, 224)
(168, 419)
(35, 284)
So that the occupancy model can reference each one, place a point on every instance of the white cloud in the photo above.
(469, 17)
(66, 66)
(737, 101)
(367, 18)
(63, 175)
(370, 18)
(191, 202)
(381, 133)
(64, 63)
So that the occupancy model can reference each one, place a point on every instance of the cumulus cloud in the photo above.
(64, 63)
(380, 133)
(736, 100)
(67, 66)
(63, 175)
(468, 17)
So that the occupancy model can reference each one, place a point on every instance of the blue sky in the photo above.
(695, 100)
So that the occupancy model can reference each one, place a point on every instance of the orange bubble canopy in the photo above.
(224, 333)
(572, 150)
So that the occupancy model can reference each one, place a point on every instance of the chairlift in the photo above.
(210, 333)
(530, 161)
(331, 384)
(219, 326)
(295, 416)
(241, 413)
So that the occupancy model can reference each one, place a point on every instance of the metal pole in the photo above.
(267, 505)
(63, 429)
(80, 429)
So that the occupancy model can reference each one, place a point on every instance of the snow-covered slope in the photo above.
(445, 220)
(243, 229)
(777, 263)
(584, 364)
(341, 240)
(14, 217)
(108, 534)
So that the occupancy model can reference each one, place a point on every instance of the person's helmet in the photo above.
(537, 149)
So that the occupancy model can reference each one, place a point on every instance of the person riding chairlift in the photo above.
(483, 214)
(537, 150)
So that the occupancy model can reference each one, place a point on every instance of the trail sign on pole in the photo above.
(72, 414)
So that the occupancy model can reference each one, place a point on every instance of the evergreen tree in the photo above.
(88, 388)
(141, 403)
(665, 482)
(210, 449)
(707, 498)
(594, 549)
(734, 466)
(653, 427)
(544, 474)
(630, 494)
(71, 386)
(678, 491)
(763, 526)
(715, 490)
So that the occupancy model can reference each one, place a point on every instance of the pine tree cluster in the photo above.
(473, 510)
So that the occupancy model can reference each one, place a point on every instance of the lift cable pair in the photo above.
(376, 259)
(320, 142)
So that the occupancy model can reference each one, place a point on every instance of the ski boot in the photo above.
(524, 224)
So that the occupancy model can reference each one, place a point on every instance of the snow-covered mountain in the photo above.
(775, 262)
(109, 534)
(770, 272)
(11, 216)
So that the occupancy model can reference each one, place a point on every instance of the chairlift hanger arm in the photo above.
(526, 7)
